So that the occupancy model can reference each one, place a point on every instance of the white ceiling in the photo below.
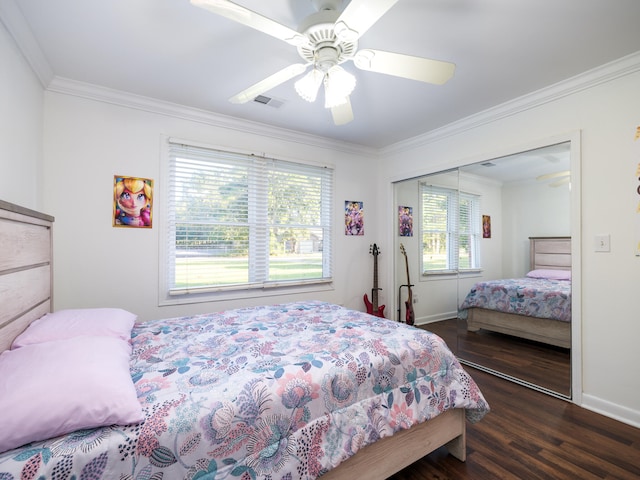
(173, 51)
(526, 166)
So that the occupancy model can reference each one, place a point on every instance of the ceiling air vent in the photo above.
(272, 102)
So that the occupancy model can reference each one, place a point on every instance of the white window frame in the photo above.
(453, 230)
(256, 287)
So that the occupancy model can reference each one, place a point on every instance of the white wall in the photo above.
(87, 142)
(532, 209)
(606, 114)
(21, 107)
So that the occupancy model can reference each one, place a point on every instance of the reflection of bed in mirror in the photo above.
(536, 307)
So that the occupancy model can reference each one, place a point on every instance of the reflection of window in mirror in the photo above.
(450, 230)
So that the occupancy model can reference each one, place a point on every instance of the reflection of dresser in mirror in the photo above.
(524, 195)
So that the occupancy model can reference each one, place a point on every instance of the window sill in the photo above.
(450, 274)
(239, 293)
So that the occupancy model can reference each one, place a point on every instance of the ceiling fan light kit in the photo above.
(308, 86)
(338, 85)
(325, 40)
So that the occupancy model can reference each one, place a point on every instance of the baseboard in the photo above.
(612, 410)
(435, 318)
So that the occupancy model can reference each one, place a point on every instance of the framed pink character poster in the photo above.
(132, 202)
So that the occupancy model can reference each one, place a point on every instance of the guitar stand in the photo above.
(400, 299)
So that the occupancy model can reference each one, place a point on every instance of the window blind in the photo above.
(244, 221)
(469, 231)
(450, 230)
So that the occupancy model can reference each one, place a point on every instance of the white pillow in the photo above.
(63, 324)
(52, 388)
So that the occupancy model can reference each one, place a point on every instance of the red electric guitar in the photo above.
(372, 306)
(411, 316)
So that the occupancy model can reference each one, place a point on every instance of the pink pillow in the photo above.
(550, 274)
(98, 322)
(53, 388)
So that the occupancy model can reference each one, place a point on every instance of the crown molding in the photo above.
(139, 102)
(605, 73)
(13, 20)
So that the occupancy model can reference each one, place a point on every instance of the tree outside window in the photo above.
(450, 230)
(240, 221)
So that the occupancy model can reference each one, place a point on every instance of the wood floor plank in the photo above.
(536, 363)
(529, 435)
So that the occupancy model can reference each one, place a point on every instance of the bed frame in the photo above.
(25, 269)
(550, 253)
(26, 294)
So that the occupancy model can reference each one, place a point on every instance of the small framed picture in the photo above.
(486, 226)
(132, 202)
(353, 218)
(405, 221)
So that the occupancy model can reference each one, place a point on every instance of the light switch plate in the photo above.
(602, 243)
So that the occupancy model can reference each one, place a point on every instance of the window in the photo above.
(450, 229)
(237, 221)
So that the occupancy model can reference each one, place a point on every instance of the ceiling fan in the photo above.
(325, 40)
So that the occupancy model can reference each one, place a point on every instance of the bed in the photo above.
(296, 390)
(536, 307)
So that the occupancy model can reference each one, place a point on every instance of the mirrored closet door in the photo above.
(505, 219)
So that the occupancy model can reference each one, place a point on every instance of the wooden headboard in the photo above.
(551, 253)
(25, 269)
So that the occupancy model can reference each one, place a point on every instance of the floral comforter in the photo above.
(277, 392)
(532, 297)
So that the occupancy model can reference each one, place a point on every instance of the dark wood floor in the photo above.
(536, 363)
(531, 435)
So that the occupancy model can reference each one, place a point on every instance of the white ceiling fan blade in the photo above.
(405, 66)
(268, 83)
(547, 176)
(562, 181)
(252, 19)
(342, 113)
(359, 16)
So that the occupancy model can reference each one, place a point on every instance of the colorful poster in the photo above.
(405, 221)
(132, 201)
(353, 218)
(486, 226)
